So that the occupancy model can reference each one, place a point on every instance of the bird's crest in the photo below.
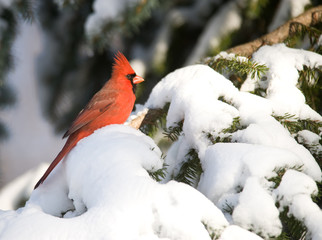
(121, 65)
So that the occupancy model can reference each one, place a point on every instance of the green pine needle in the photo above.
(159, 174)
(173, 132)
(237, 66)
(298, 31)
(294, 124)
(310, 83)
(292, 227)
(190, 170)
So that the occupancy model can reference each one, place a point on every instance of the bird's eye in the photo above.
(130, 76)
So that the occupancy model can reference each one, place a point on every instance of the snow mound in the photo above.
(103, 191)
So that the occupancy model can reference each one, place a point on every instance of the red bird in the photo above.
(113, 104)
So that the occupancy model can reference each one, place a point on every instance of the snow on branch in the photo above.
(234, 146)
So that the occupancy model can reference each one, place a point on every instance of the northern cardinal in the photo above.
(113, 104)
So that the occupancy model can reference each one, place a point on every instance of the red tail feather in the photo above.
(71, 142)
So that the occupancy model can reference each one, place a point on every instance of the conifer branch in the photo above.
(242, 66)
(292, 227)
(191, 169)
(310, 17)
(294, 124)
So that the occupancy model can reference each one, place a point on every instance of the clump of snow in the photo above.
(255, 202)
(236, 232)
(308, 137)
(104, 181)
(230, 56)
(311, 140)
(191, 90)
(237, 176)
(282, 77)
(229, 165)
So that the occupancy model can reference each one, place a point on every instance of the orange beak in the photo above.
(137, 79)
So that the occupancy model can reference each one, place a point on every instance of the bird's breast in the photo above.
(118, 112)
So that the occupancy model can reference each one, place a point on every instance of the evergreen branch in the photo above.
(294, 124)
(228, 208)
(149, 122)
(173, 132)
(310, 17)
(159, 174)
(292, 227)
(219, 138)
(234, 127)
(318, 197)
(236, 64)
(225, 135)
(299, 30)
(190, 170)
(310, 83)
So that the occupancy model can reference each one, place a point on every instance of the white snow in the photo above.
(105, 179)
(193, 90)
(282, 77)
(308, 137)
(255, 202)
(238, 233)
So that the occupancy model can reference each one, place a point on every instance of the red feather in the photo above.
(113, 104)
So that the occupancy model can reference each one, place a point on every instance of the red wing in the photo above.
(97, 106)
